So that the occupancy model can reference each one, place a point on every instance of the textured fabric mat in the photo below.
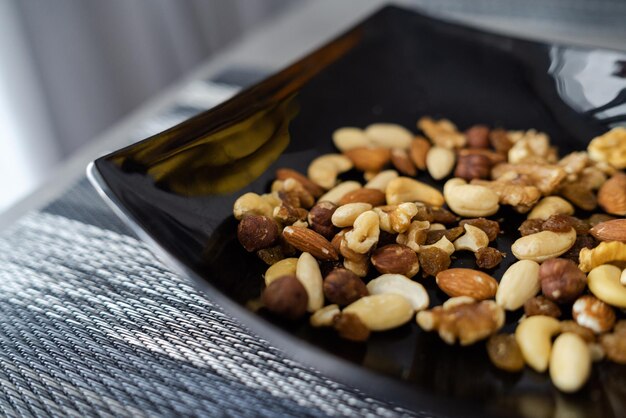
(93, 325)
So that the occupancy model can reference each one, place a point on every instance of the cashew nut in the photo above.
(543, 245)
(405, 189)
(470, 200)
(604, 283)
(382, 312)
(324, 169)
(365, 232)
(252, 204)
(335, 194)
(534, 337)
(324, 317)
(398, 284)
(348, 138)
(309, 274)
(519, 283)
(440, 162)
(345, 215)
(473, 240)
(415, 235)
(389, 135)
(443, 244)
(551, 205)
(622, 278)
(570, 362)
(381, 180)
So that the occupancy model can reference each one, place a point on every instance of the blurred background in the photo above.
(71, 69)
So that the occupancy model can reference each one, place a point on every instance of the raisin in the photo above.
(582, 241)
(504, 352)
(271, 255)
(581, 226)
(489, 227)
(452, 234)
(530, 226)
(443, 216)
(557, 223)
(488, 257)
(433, 260)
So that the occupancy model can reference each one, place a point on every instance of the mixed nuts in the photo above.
(355, 256)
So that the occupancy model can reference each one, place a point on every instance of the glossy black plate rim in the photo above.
(368, 380)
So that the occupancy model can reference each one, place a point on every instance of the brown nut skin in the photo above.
(288, 173)
(319, 219)
(477, 136)
(473, 166)
(612, 195)
(541, 305)
(257, 232)
(396, 259)
(561, 280)
(374, 197)
(341, 286)
(417, 152)
(286, 297)
(350, 327)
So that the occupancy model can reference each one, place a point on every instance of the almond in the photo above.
(419, 149)
(368, 159)
(396, 258)
(288, 173)
(467, 282)
(401, 161)
(614, 230)
(374, 197)
(309, 241)
(612, 195)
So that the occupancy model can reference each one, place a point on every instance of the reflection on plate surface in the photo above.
(177, 188)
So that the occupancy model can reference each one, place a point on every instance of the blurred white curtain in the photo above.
(70, 68)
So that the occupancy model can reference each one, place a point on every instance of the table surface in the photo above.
(95, 326)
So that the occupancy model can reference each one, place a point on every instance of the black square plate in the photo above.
(176, 189)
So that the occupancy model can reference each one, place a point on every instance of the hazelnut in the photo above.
(590, 312)
(320, 217)
(396, 258)
(473, 166)
(541, 305)
(350, 327)
(343, 287)
(256, 232)
(561, 280)
(286, 297)
(477, 136)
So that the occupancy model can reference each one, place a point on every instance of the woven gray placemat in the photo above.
(93, 325)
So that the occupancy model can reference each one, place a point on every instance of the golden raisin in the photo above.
(530, 226)
(488, 257)
(433, 260)
(557, 223)
(504, 352)
(443, 216)
(489, 227)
